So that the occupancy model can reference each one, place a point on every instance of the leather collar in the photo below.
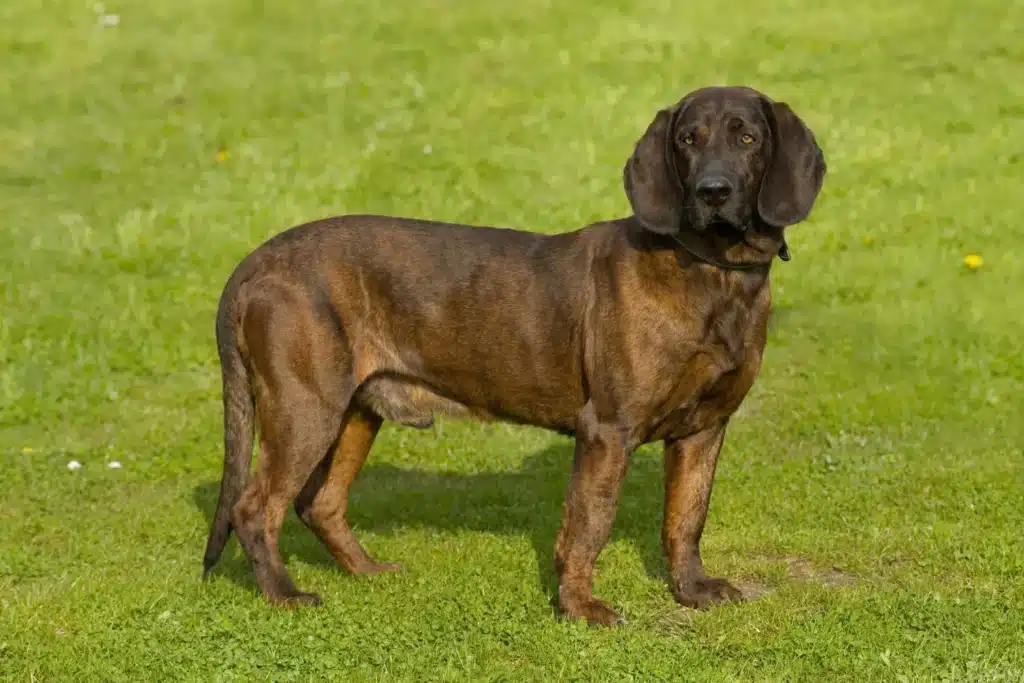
(699, 250)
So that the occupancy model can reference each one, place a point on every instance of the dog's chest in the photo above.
(713, 371)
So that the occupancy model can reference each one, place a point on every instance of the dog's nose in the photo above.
(714, 190)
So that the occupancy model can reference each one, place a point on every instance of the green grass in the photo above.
(883, 438)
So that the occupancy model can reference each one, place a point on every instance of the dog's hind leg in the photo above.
(324, 499)
(291, 445)
(301, 400)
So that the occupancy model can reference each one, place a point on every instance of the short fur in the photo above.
(645, 328)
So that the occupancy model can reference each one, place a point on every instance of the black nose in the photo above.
(714, 190)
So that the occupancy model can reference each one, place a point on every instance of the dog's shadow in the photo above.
(528, 501)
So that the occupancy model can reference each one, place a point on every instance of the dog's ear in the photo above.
(796, 169)
(649, 177)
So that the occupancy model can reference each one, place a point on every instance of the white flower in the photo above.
(114, 465)
(74, 465)
(427, 149)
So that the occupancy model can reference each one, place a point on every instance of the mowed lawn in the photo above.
(870, 495)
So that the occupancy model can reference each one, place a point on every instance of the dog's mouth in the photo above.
(724, 221)
(721, 224)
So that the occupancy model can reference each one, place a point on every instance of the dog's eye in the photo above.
(688, 140)
(747, 139)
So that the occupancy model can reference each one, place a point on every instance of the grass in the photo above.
(870, 488)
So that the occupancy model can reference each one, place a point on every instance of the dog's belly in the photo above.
(409, 402)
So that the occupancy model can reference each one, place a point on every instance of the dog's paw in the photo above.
(703, 592)
(596, 612)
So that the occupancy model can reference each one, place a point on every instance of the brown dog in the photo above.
(625, 332)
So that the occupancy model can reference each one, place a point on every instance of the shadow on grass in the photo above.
(528, 501)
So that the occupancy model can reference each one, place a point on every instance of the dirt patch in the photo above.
(752, 589)
(802, 570)
(799, 570)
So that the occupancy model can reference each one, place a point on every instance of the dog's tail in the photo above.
(238, 427)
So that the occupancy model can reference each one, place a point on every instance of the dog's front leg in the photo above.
(689, 474)
(599, 467)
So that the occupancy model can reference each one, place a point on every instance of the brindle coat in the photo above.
(646, 328)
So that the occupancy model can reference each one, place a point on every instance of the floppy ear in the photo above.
(795, 170)
(649, 177)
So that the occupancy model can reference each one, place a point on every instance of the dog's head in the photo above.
(724, 158)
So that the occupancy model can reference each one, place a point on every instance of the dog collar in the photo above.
(729, 265)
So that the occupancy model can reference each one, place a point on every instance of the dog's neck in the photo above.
(749, 250)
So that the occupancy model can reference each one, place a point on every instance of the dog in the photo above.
(625, 332)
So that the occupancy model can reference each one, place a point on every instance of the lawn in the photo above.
(870, 495)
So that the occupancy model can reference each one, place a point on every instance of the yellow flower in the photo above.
(869, 240)
(222, 156)
(973, 261)
(28, 449)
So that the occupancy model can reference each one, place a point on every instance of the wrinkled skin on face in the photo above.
(724, 159)
(718, 150)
